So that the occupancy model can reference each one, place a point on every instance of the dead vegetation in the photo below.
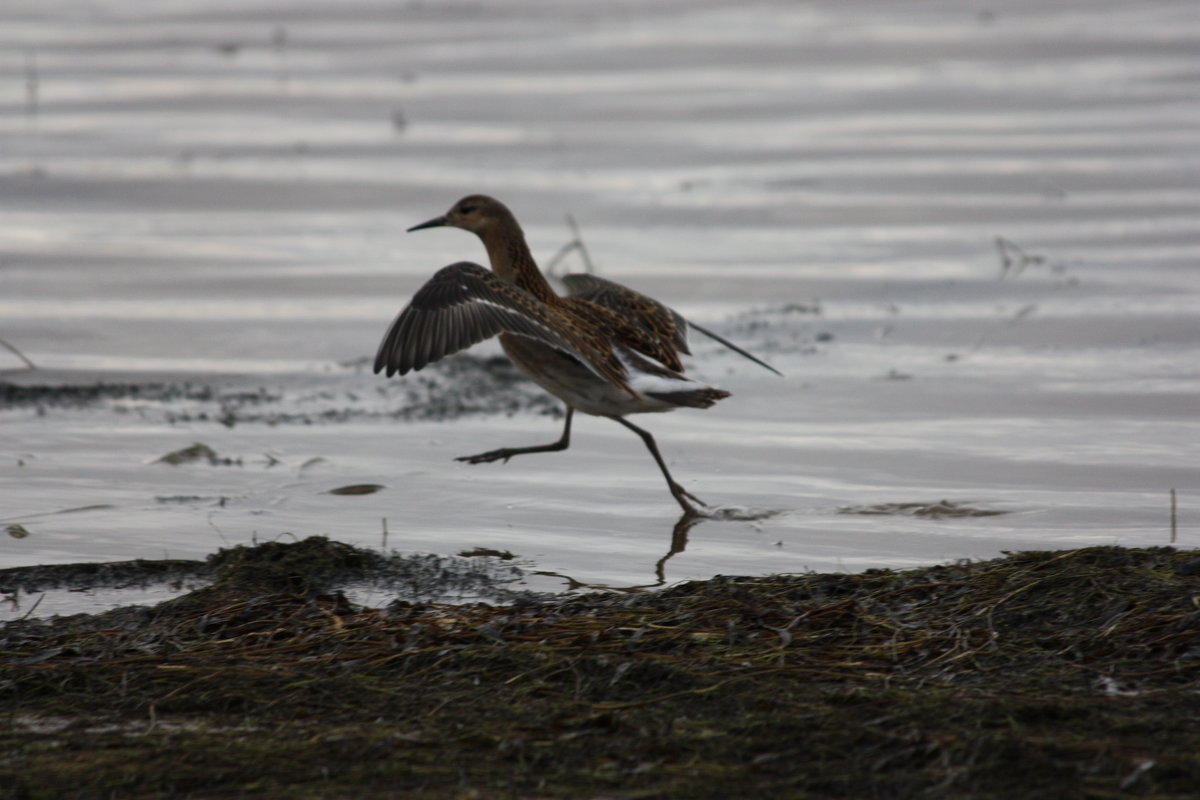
(1058, 675)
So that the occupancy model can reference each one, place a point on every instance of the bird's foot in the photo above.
(682, 496)
(504, 453)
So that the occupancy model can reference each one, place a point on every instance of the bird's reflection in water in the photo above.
(679, 539)
(679, 542)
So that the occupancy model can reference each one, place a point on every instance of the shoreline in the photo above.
(1066, 674)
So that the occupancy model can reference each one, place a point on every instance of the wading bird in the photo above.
(603, 349)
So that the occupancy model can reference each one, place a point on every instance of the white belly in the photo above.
(573, 383)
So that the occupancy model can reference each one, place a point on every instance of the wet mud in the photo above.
(312, 565)
(463, 385)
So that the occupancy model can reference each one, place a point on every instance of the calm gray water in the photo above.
(215, 195)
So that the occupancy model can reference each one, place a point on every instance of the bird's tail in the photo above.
(691, 398)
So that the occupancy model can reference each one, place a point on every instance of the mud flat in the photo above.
(1041, 674)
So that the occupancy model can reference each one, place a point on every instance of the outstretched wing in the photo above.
(665, 324)
(461, 305)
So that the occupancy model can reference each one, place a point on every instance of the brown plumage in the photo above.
(667, 328)
(604, 349)
(464, 303)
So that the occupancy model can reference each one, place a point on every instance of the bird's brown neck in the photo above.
(511, 260)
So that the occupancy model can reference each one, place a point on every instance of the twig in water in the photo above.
(383, 544)
(18, 354)
(1013, 259)
(1022, 312)
(220, 533)
(1174, 517)
(575, 244)
(588, 266)
(33, 608)
(562, 251)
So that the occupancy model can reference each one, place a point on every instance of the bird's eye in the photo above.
(466, 209)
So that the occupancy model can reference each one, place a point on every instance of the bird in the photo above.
(603, 349)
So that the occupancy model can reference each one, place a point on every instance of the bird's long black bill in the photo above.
(436, 222)
(734, 348)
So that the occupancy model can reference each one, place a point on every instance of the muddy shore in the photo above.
(1042, 674)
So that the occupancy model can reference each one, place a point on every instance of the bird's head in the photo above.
(476, 213)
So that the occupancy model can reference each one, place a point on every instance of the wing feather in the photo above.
(461, 305)
(665, 323)
(646, 312)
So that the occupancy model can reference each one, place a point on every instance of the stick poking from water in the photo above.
(18, 354)
(1174, 517)
(1014, 259)
(575, 244)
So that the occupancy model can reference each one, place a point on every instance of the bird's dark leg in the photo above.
(508, 452)
(680, 494)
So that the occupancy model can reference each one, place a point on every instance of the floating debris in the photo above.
(939, 510)
(358, 488)
(480, 552)
(198, 452)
